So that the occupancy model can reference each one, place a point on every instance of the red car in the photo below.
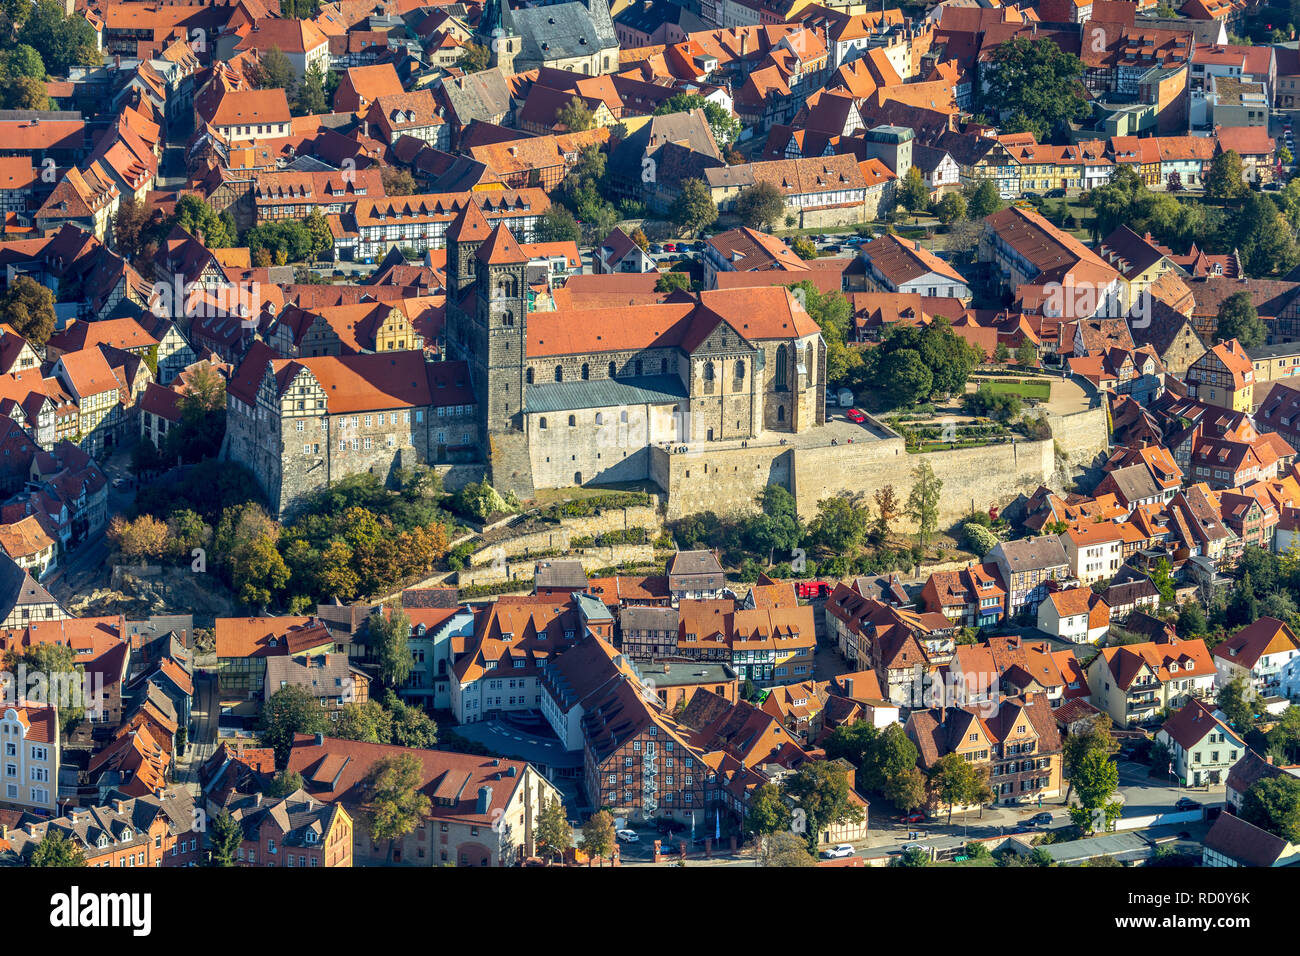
(670, 247)
(856, 416)
(914, 818)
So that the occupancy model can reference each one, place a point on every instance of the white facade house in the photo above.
(1075, 614)
(1202, 747)
(1265, 655)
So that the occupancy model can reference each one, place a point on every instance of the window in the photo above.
(779, 380)
(586, 371)
(541, 423)
(559, 373)
(708, 371)
(613, 369)
(573, 420)
(528, 376)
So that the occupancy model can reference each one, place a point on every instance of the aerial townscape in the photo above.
(618, 434)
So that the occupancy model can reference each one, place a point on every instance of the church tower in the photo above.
(468, 231)
(496, 32)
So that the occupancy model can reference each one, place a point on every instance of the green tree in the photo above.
(389, 635)
(61, 41)
(923, 502)
(64, 679)
(558, 225)
(598, 836)
(368, 723)
(310, 98)
(803, 247)
(474, 58)
(1026, 354)
(777, 526)
(983, 200)
(1034, 85)
(1263, 237)
(1234, 700)
(953, 780)
(760, 206)
(673, 282)
(28, 308)
(1274, 805)
(821, 789)
(575, 116)
(1095, 777)
(274, 71)
(1191, 620)
(24, 93)
(693, 209)
(1094, 738)
(227, 837)
(411, 726)
(951, 207)
(768, 811)
(1238, 319)
(199, 219)
(57, 849)
(553, 831)
(911, 858)
(909, 380)
(1225, 180)
(978, 539)
(395, 806)
(291, 710)
(400, 182)
(841, 523)
(725, 126)
(906, 790)
(890, 755)
(913, 193)
(284, 783)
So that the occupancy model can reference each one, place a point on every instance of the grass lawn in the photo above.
(1039, 390)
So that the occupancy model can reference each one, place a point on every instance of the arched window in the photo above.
(573, 420)
(780, 413)
(808, 362)
(740, 368)
(559, 371)
(600, 418)
(781, 361)
(708, 371)
(586, 371)
(507, 318)
(622, 416)
(541, 422)
(613, 370)
(528, 376)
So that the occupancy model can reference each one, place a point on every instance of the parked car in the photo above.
(914, 818)
(1186, 803)
(837, 852)
(1040, 819)
(627, 836)
(1056, 193)
(856, 416)
(923, 847)
(656, 248)
(670, 247)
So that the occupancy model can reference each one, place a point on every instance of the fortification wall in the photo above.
(1081, 435)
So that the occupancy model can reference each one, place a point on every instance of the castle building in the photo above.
(576, 35)
(580, 395)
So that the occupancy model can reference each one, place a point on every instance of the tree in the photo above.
(1026, 354)
(398, 181)
(761, 205)
(1191, 621)
(913, 192)
(575, 116)
(61, 41)
(911, 858)
(395, 806)
(841, 523)
(951, 208)
(888, 509)
(28, 308)
(1225, 179)
(22, 60)
(474, 58)
(553, 831)
(310, 99)
(1234, 700)
(290, 711)
(1034, 86)
(227, 837)
(410, 725)
(388, 636)
(1096, 737)
(199, 219)
(1095, 777)
(693, 209)
(890, 756)
(1239, 320)
(777, 526)
(804, 248)
(558, 225)
(24, 93)
(725, 126)
(954, 780)
(978, 539)
(368, 723)
(131, 225)
(57, 849)
(821, 790)
(64, 677)
(1274, 805)
(246, 539)
(906, 790)
(672, 282)
(923, 502)
(768, 811)
(1264, 238)
(784, 849)
(284, 783)
(598, 836)
(984, 200)
(274, 71)
(907, 378)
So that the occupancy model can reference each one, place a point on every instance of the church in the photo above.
(582, 395)
(577, 36)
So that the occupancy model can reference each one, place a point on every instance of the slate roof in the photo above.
(602, 393)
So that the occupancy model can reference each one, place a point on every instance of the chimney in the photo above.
(484, 800)
(667, 667)
(119, 806)
(848, 686)
(257, 799)
(1269, 758)
(320, 740)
